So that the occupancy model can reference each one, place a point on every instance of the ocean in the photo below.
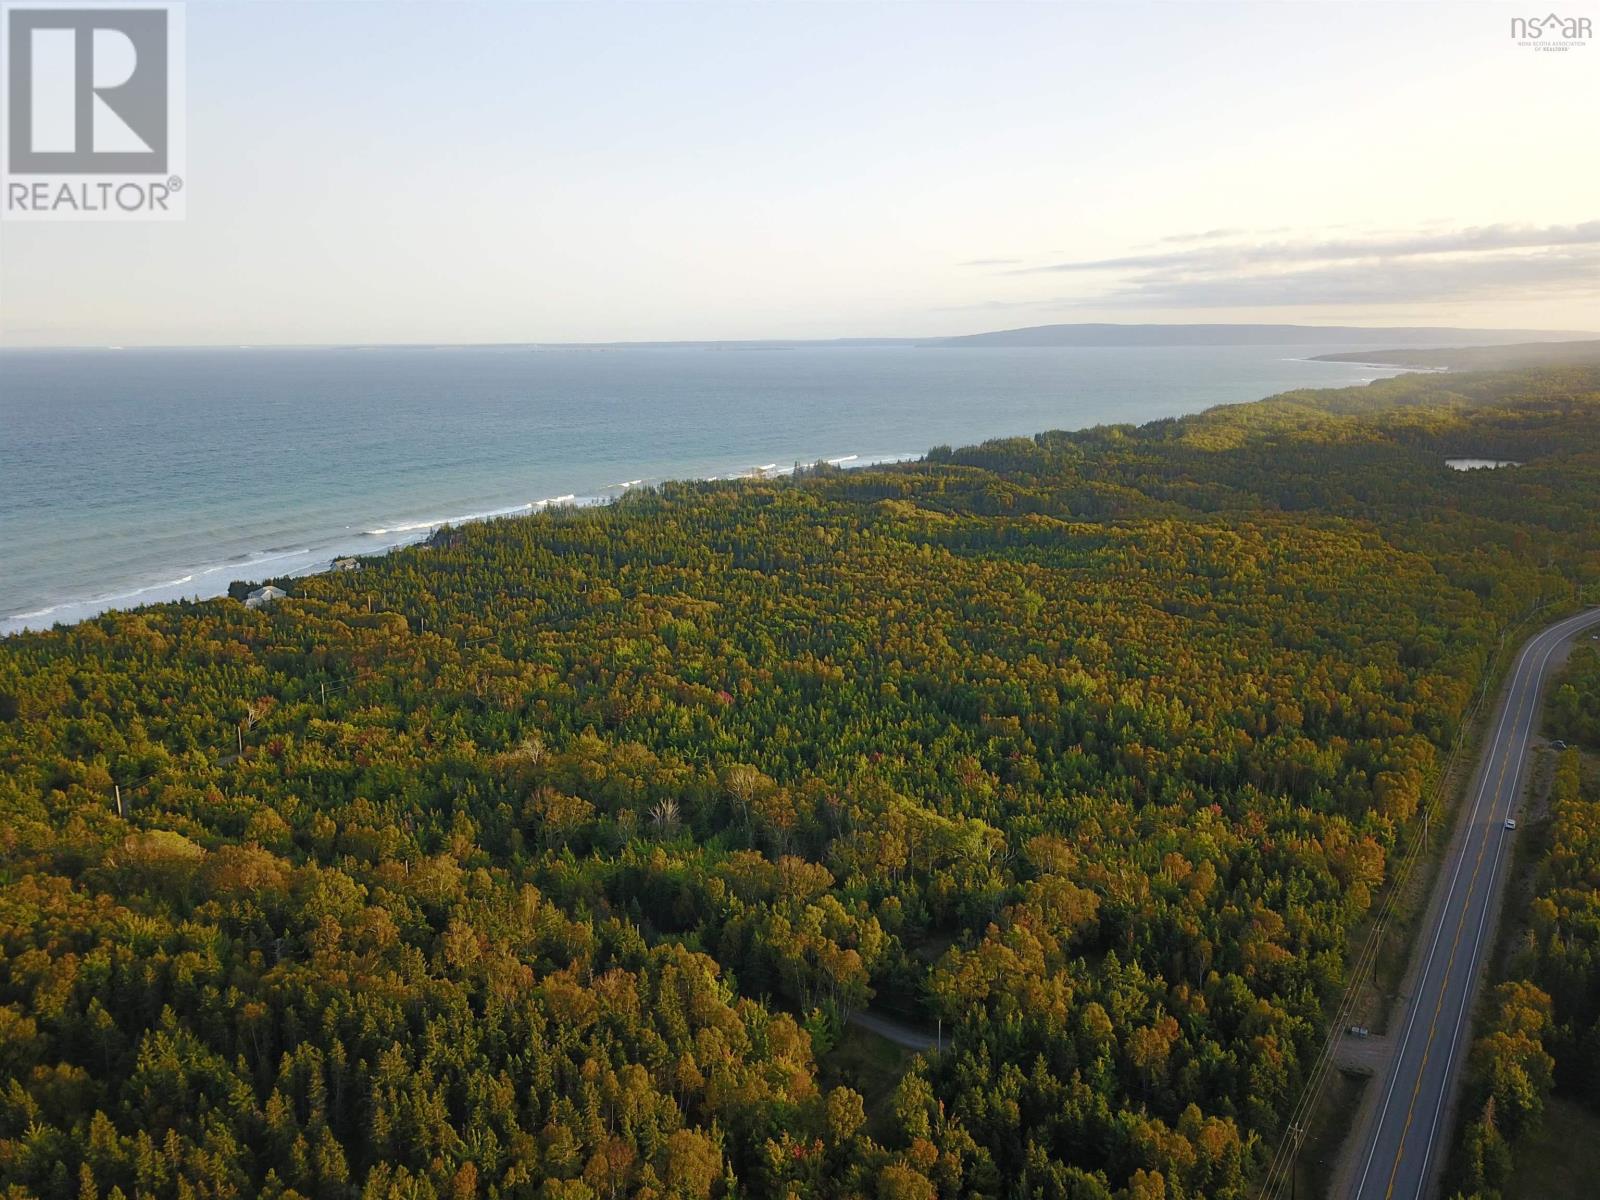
(139, 475)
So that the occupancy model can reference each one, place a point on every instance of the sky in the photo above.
(541, 172)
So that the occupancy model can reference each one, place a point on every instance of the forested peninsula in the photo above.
(551, 859)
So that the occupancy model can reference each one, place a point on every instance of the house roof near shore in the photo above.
(264, 595)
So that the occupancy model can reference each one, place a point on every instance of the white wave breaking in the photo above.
(212, 579)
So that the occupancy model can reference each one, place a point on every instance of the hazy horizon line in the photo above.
(784, 342)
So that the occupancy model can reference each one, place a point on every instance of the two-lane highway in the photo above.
(1403, 1146)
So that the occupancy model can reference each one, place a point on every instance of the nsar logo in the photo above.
(94, 126)
(1551, 31)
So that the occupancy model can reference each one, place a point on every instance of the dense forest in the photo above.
(552, 857)
(1543, 1025)
(1574, 714)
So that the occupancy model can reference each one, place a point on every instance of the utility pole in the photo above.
(1296, 1132)
(117, 787)
(239, 729)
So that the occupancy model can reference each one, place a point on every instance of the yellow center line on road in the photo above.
(1444, 986)
(1535, 688)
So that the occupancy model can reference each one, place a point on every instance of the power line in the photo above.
(1282, 1162)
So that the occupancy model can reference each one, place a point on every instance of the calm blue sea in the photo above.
(131, 476)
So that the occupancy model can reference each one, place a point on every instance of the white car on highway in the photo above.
(1511, 822)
